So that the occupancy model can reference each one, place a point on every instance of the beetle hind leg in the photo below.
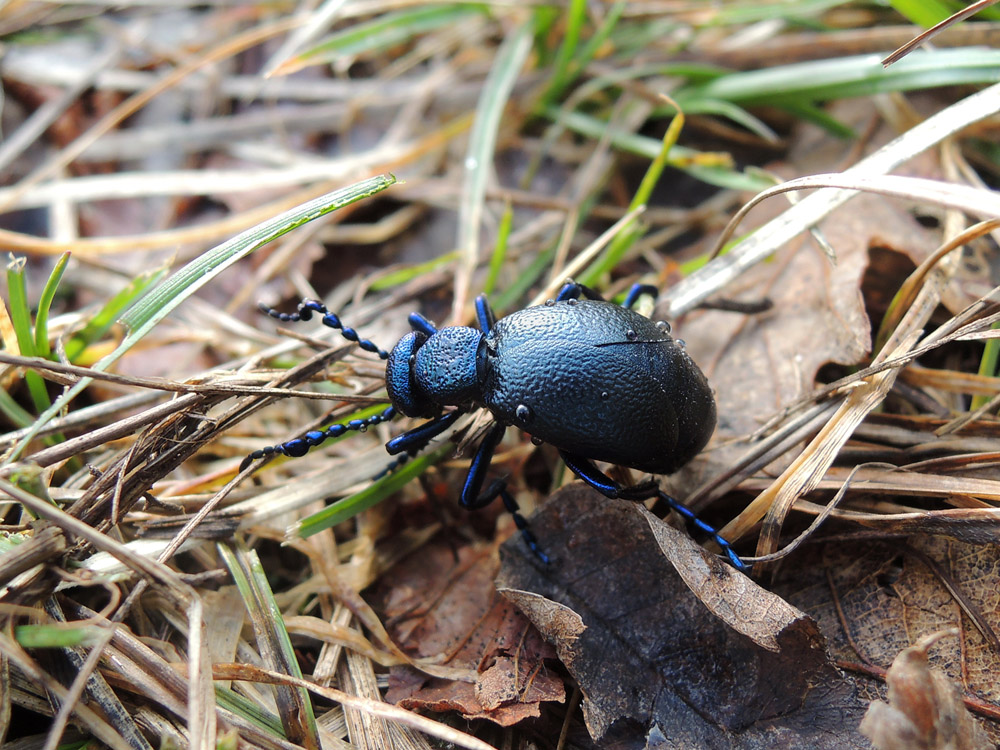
(585, 469)
(691, 518)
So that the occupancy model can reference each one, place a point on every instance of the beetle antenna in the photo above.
(305, 311)
(299, 446)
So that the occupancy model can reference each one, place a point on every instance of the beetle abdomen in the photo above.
(600, 381)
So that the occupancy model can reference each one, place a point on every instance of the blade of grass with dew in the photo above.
(160, 301)
(42, 348)
(624, 240)
(273, 642)
(858, 75)
(385, 31)
(20, 316)
(510, 59)
(499, 248)
(369, 497)
(100, 324)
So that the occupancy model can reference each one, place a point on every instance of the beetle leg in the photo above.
(470, 498)
(487, 318)
(300, 446)
(419, 323)
(473, 499)
(637, 291)
(604, 484)
(305, 311)
(690, 516)
(415, 440)
(585, 469)
(572, 290)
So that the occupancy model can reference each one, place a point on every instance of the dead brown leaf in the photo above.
(649, 653)
(874, 600)
(447, 609)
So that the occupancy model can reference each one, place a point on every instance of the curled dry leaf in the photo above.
(704, 654)
(447, 610)
(925, 710)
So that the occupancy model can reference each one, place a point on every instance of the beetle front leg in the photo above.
(416, 440)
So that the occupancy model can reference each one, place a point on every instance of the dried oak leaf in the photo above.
(873, 600)
(925, 710)
(703, 656)
(448, 610)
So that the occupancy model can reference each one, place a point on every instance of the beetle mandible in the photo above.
(595, 379)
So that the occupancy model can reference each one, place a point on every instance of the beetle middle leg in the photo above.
(585, 469)
(473, 498)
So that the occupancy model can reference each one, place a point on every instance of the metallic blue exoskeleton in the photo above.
(597, 380)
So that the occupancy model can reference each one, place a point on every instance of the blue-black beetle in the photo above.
(597, 380)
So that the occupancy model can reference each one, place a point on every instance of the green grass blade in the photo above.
(160, 301)
(20, 312)
(685, 159)
(859, 75)
(563, 72)
(45, 304)
(925, 13)
(20, 318)
(615, 251)
(499, 249)
(99, 325)
(370, 496)
(273, 641)
(14, 411)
